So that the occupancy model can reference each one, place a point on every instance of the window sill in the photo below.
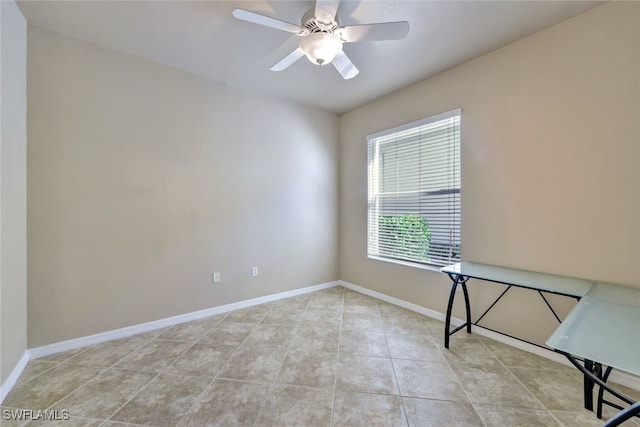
(408, 263)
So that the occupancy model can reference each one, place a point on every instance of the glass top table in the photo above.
(552, 283)
(604, 327)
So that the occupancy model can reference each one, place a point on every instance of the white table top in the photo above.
(604, 327)
(522, 278)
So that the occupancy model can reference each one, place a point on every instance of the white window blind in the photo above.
(414, 191)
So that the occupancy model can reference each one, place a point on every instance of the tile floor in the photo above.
(333, 357)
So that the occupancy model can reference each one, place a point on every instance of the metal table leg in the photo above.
(457, 279)
(624, 415)
(592, 373)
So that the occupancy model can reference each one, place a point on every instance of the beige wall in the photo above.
(143, 180)
(550, 154)
(13, 189)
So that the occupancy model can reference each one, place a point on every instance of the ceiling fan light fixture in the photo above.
(320, 48)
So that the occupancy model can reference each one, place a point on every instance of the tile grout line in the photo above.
(335, 374)
(284, 358)
(84, 384)
(217, 376)
(504, 365)
(393, 367)
(210, 385)
(466, 393)
(80, 386)
(157, 337)
(132, 397)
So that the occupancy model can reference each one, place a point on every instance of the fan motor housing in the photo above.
(311, 24)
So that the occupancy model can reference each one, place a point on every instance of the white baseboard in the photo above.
(401, 303)
(618, 377)
(75, 343)
(6, 387)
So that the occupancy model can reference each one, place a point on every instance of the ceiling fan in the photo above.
(322, 37)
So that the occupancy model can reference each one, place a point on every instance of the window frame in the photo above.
(374, 168)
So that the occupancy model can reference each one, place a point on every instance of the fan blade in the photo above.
(267, 21)
(326, 10)
(345, 67)
(373, 32)
(288, 60)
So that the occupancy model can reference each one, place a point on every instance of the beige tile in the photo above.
(363, 343)
(228, 332)
(351, 409)
(319, 317)
(272, 335)
(316, 338)
(35, 368)
(202, 360)
(326, 302)
(415, 347)
(362, 322)
(62, 356)
(107, 353)
(103, 395)
(582, 418)
(11, 417)
(227, 403)
(70, 422)
(436, 413)
(404, 325)
(497, 416)
(309, 368)
(116, 424)
(366, 374)
(191, 331)
(289, 405)
(295, 343)
(155, 356)
(387, 309)
(515, 358)
(149, 335)
(436, 329)
(259, 362)
(282, 316)
(352, 296)
(609, 411)
(297, 303)
(555, 389)
(49, 387)
(248, 315)
(432, 380)
(493, 385)
(631, 393)
(467, 350)
(334, 290)
(164, 401)
(359, 307)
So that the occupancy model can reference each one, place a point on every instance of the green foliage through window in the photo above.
(408, 236)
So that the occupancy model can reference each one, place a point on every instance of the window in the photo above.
(414, 192)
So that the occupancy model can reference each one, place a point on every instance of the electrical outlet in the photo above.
(216, 277)
(254, 271)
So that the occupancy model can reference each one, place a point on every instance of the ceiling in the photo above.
(202, 37)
